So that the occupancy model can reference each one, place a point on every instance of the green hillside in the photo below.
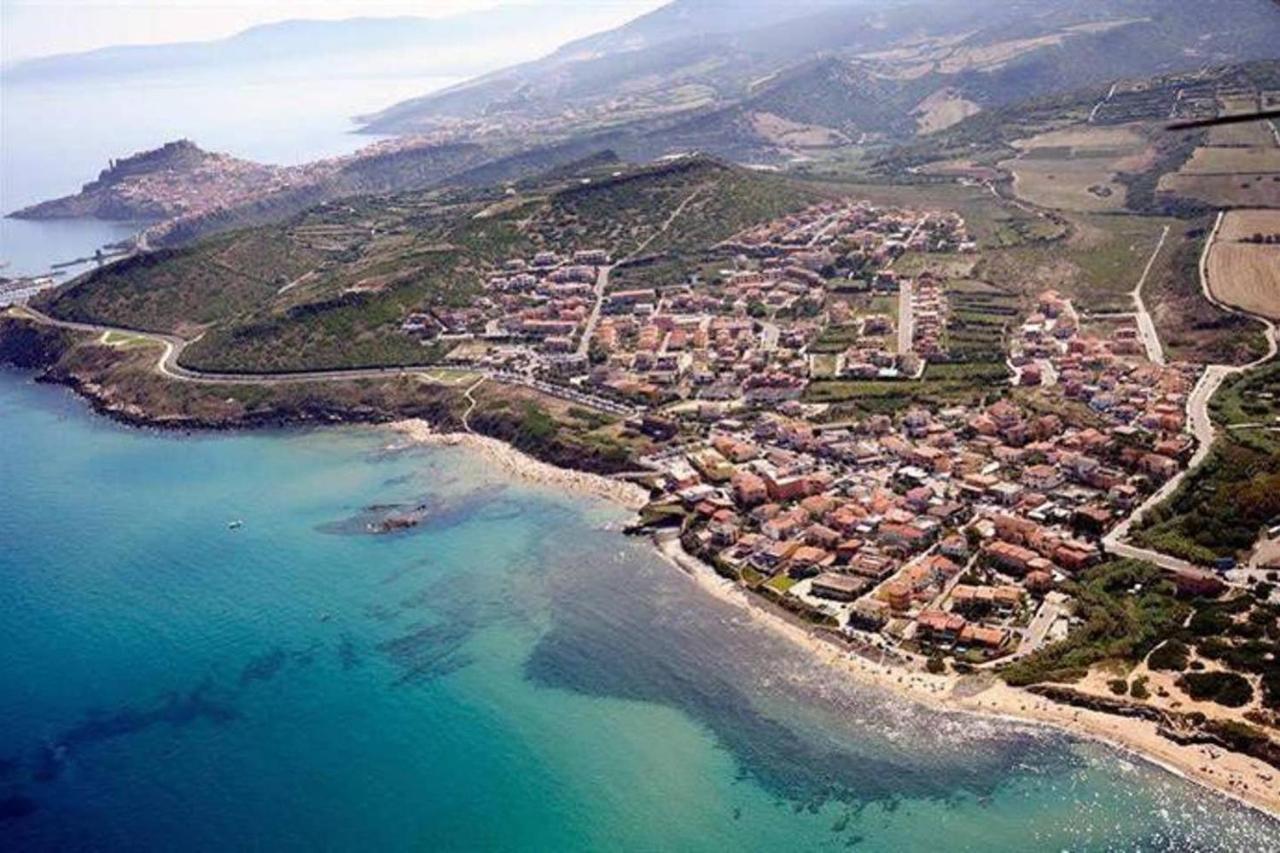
(332, 287)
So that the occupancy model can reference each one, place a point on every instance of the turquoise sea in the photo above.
(512, 675)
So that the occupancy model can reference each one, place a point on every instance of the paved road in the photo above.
(1199, 423)
(1038, 628)
(602, 287)
(173, 346)
(906, 318)
(1146, 327)
(602, 279)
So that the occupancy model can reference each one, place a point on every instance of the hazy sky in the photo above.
(40, 27)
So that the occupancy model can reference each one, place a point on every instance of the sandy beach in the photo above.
(525, 467)
(1245, 779)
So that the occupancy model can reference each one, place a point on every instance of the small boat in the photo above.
(235, 525)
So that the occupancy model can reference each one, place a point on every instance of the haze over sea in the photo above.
(56, 135)
(514, 674)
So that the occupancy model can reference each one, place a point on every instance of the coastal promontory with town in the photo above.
(986, 411)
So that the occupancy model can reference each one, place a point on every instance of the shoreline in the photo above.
(516, 462)
(1230, 774)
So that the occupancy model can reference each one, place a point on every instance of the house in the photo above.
(774, 554)
(807, 561)
(839, 587)
(906, 536)
(1091, 519)
(896, 594)
(939, 626)
(1010, 558)
(781, 527)
(982, 635)
(1075, 556)
(956, 547)
(1042, 478)
(872, 565)
(868, 614)
(1197, 582)
(822, 537)
(748, 489)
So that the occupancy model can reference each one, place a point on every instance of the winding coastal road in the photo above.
(173, 347)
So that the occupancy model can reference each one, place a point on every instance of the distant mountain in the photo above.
(450, 46)
(764, 77)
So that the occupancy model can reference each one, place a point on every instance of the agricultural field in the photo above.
(1225, 190)
(1239, 167)
(1075, 168)
(1218, 160)
(1245, 135)
(1248, 225)
(1243, 273)
(978, 324)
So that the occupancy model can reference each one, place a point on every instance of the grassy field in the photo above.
(625, 212)
(1214, 160)
(1075, 168)
(1190, 327)
(126, 340)
(1097, 266)
(177, 290)
(1251, 398)
(862, 397)
(1225, 190)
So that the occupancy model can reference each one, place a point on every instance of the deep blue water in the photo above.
(514, 675)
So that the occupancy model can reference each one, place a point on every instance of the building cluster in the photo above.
(216, 182)
(533, 307)
(944, 531)
(742, 336)
(738, 337)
